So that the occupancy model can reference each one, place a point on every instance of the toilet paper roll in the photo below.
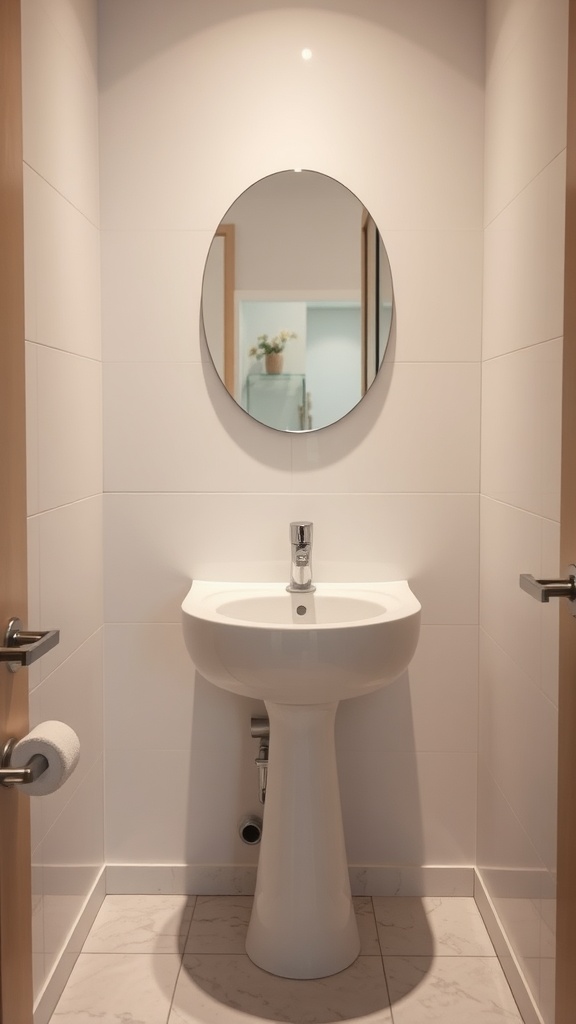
(60, 746)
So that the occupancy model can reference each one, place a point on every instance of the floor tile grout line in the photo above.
(179, 972)
(388, 996)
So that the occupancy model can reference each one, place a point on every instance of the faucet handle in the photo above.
(301, 532)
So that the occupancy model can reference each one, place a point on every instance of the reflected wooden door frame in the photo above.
(228, 233)
(15, 884)
(369, 301)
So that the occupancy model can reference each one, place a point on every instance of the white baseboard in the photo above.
(56, 982)
(506, 956)
(411, 880)
(240, 879)
(181, 879)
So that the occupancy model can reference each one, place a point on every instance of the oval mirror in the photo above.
(297, 300)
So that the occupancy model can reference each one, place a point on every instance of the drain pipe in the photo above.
(260, 729)
(251, 830)
(251, 826)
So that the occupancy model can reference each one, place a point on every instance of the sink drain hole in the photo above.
(301, 609)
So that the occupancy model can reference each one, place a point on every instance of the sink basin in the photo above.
(301, 653)
(340, 641)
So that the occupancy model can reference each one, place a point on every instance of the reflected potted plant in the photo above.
(271, 350)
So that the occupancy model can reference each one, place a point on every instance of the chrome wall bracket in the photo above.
(22, 647)
(31, 771)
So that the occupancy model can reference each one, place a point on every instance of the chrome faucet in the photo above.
(301, 560)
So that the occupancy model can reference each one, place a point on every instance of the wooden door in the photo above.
(566, 924)
(15, 897)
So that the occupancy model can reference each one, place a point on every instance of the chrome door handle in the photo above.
(22, 647)
(543, 590)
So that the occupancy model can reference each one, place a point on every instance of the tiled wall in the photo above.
(197, 102)
(64, 448)
(521, 399)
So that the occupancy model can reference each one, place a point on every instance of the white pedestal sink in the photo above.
(301, 654)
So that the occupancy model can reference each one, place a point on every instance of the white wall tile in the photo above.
(510, 544)
(32, 437)
(518, 730)
(432, 707)
(70, 576)
(72, 858)
(157, 543)
(152, 409)
(389, 55)
(505, 25)
(69, 428)
(383, 446)
(38, 964)
(521, 428)
(160, 717)
(60, 112)
(63, 271)
(402, 808)
(173, 427)
(144, 323)
(159, 826)
(526, 94)
(181, 823)
(149, 687)
(523, 266)
(77, 23)
(434, 322)
(30, 233)
(73, 694)
(506, 856)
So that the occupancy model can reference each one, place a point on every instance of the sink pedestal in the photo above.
(302, 923)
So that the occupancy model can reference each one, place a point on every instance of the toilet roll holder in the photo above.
(22, 647)
(31, 771)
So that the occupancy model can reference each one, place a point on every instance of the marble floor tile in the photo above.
(369, 945)
(431, 926)
(213, 989)
(219, 924)
(114, 987)
(449, 990)
(141, 924)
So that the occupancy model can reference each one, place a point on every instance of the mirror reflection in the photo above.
(297, 300)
